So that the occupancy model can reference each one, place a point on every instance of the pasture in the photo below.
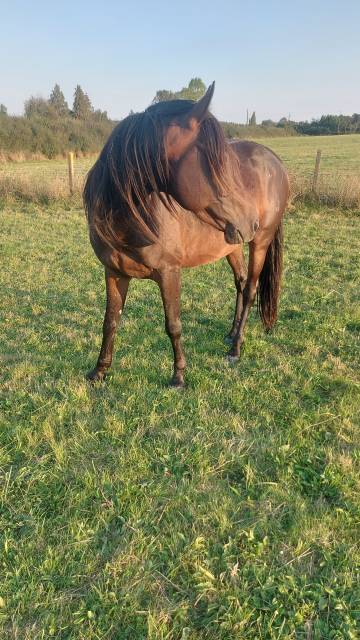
(130, 510)
(340, 154)
(47, 180)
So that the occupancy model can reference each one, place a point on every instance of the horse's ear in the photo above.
(200, 107)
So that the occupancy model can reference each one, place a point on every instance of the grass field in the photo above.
(130, 511)
(340, 154)
(340, 168)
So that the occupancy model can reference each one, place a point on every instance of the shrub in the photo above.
(52, 135)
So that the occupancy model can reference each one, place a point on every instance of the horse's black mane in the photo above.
(133, 164)
(170, 108)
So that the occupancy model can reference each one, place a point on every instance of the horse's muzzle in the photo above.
(234, 235)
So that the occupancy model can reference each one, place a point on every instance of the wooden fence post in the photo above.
(316, 170)
(71, 171)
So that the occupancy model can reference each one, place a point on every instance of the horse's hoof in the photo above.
(95, 375)
(232, 359)
(176, 383)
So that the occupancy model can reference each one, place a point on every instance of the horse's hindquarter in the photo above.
(265, 181)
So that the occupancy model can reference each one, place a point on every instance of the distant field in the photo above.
(340, 155)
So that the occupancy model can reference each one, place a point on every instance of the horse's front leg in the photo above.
(116, 290)
(169, 281)
(236, 261)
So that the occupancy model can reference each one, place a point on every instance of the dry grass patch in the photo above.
(333, 189)
(33, 179)
(27, 189)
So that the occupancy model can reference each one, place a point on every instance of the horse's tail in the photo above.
(270, 280)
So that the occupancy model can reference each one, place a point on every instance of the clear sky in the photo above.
(274, 57)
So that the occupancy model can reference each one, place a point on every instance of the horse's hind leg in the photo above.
(236, 261)
(257, 254)
(116, 290)
(169, 282)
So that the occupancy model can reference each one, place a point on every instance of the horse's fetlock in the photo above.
(104, 364)
(180, 364)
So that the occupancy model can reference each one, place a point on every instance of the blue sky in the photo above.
(273, 57)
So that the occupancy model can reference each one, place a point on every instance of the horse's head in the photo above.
(203, 172)
(175, 149)
(182, 121)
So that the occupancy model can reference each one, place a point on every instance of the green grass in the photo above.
(130, 511)
(340, 154)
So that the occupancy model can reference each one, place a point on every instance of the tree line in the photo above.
(56, 106)
(50, 127)
(195, 90)
(326, 125)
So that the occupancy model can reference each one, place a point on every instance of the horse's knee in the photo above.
(173, 328)
(110, 325)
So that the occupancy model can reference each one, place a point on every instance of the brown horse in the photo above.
(168, 192)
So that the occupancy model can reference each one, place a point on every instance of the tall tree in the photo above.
(37, 106)
(163, 94)
(82, 107)
(3, 110)
(100, 116)
(252, 121)
(195, 90)
(57, 100)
